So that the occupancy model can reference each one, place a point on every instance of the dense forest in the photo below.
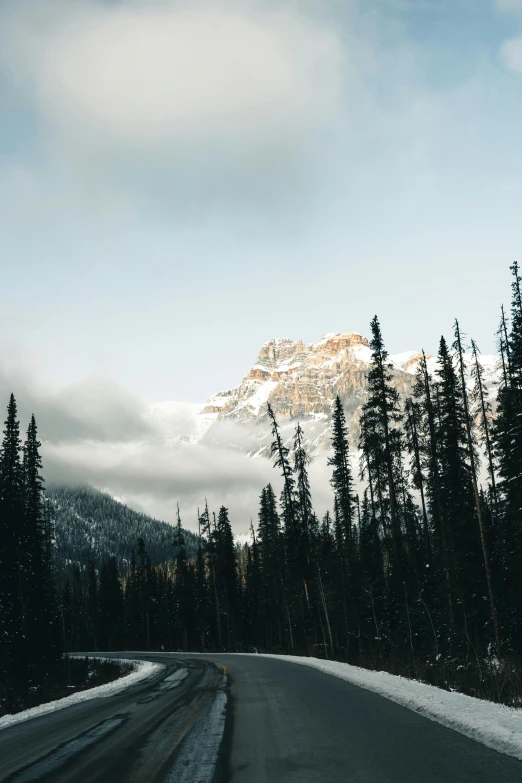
(418, 574)
(90, 526)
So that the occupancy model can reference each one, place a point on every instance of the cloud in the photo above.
(153, 477)
(97, 433)
(98, 408)
(511, 54)
(168, 95)
(509, 5)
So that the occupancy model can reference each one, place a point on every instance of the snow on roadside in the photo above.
(198, 756)
(494, 725)
(142, 670)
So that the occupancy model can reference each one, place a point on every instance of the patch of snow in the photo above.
(142, 671)
(327, 336)
(198, 756)
(494, 725)
(285, 367)
(400, 360)
(203, 423)
(362, 353)
(259, 397)
(174, 679)
(218, 400)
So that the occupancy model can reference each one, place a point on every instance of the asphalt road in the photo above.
(284, 723)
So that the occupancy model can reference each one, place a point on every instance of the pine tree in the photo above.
(226, 575)
(346, 561)
(280, 453)
(507, 438)
(292, 597)
(251, 597)
(473, 462)
(184, 609)
(110, 606)
(458, 497)
(380, 439)
(67, 616)
(39, 595)
(426, 396)
(485, 415)
(92, 607)
(201, 595)
(341, 481)
(12, 578)
(303, 509)
(270, 547)
(413, 443)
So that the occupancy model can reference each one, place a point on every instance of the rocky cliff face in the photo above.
(301, 382)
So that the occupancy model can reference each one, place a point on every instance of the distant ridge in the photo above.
(92, 525)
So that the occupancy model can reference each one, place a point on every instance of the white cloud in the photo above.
(164, 78)
(509, 5)
(97, 433)
(511, 54)
(153, 477)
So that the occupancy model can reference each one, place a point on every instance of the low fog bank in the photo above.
(98, 433)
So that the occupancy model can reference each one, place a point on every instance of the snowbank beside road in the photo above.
(142, 670)
(494, 725)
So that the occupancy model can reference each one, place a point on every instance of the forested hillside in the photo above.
(92, 526)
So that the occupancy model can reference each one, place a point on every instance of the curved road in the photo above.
(282, 723)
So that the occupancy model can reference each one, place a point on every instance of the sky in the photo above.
(182, 181)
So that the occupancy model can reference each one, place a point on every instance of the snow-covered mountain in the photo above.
(301, 382)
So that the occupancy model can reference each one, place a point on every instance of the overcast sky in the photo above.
(181, 181)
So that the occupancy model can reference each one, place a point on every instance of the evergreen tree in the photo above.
(68, 618)
(413, 444)
(227, 576)
(201, 596)
(110, 606)
(341, 480)
(473, 462)
(382, 417)
(12, 577)
(458, 499)
(280, 453)
(270, 547)
(91, 606)
(426, 395)
(304, 511)
(507, 438)
(251, 597)
(39, 594)
(182, 589)
(345, 562)
(485, 415)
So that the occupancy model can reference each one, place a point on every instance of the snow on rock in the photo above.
(301, 382)
(142, 671)
(494, 725)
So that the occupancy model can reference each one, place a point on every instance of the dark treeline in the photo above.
(419, 573)
(30, 637)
